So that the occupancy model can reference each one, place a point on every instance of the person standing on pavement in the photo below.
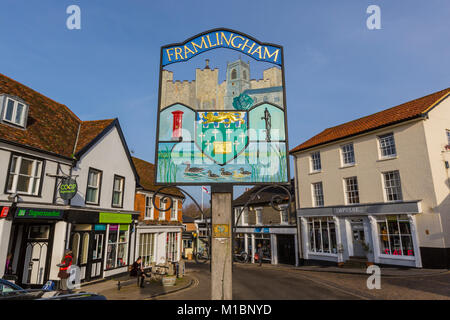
(260, 254)
(63, 273)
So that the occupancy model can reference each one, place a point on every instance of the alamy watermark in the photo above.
(374, 20)
(374, 280)
(74, 20)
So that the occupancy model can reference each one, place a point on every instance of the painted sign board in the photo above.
(68, 188)
(4, 212)
(39, 214)
(221, 117)
(221, 231)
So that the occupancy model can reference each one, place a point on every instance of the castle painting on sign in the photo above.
(222, 118)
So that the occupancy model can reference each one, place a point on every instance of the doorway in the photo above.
(358, 237)
(35, 254)
(87, 248)
(286, 249)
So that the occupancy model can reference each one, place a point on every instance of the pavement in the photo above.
(130, 291)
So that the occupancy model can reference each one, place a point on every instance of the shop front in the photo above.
(382, 233)
(100, 242)
(279, 244)
(158, 244)
(31, 244)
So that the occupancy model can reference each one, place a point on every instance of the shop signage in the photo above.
(221, 231)
(266, 230)
(257, 229)
(39, 214)
(4, 212)
(215, 131)
(100, 227)
(68, 188)
(109, 217)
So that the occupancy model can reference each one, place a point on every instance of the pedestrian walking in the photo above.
(63, 273)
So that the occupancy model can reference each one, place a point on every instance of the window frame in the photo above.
(399, 218)
(41, 177)
(313, 160)
(100, 179)
(122, 191)
(314, 195)
(160, 213)
(152, 208)
(344, 153)
(174, 210)
(399, 187)
(259, 216)
(311, 234)
(347, 191)
(17, 101)
(381, 148)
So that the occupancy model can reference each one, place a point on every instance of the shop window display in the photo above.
(395, 235)
(117, 246)
(322, 235)
(264, 240)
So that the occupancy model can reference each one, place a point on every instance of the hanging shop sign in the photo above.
(68, 188)
(228, 124)
(39, 214)
(4, 212)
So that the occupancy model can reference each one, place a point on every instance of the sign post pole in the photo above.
(221, 246)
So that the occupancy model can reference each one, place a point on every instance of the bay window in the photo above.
(172, 246)
(146, 248)
(24, 175)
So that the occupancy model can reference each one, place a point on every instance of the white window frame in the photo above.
(36, 175)
(382, 145)
(14, 113)
(146, 248)
(174, 211)
(315, 160)
(317, 197)
(351, 189)
(163, 205)
(347, 152)
(313, 221)
(149, 208)
(122, 184)
(98, 187)
(391, 187)
(258, 216)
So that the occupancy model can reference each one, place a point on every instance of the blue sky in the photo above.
(336, 69)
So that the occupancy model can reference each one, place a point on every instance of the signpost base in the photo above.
(221, 246)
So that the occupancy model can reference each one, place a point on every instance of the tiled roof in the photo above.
(51, 126)
(146, 172)
(403, 112)
(89, 130)
(264, 196)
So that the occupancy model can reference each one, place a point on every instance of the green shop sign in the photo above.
(68, 188)
(108, 217)
(39, 214)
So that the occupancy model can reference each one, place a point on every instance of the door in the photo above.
(96, 260)
(286, 249)
(35, 254)
(358, 238)
(80, 251)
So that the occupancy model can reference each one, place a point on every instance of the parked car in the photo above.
(11, 291)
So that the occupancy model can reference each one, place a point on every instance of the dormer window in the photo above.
(14, 112)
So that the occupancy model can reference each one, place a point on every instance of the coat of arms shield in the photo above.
(221, 135)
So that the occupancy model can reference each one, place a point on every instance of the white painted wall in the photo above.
(109, 156)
